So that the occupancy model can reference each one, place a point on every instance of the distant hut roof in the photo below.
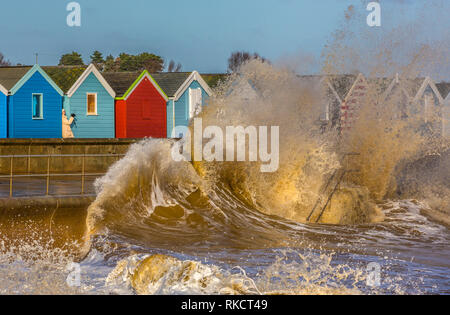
(444, 89)
(121, 81)
(380, 85)
(412, 86)
(342, 83)
(9, 76)
(64, 76)
(170, 82)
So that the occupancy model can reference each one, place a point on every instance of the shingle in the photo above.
(9, 76)
(170, 82)
(120, 82)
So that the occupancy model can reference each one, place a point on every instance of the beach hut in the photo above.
(353, 102)
(343, 84)
(329, 113)
(396, 95)
(427, 103)
(187, 94)
(423, 96)
(388, 94)
(3, 112)
(90, 98)
(444, 90)
(34, 103)
(140, 106)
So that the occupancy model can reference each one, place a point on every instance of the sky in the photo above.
(200, 34)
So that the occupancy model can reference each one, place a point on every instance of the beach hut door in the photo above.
(195, 102)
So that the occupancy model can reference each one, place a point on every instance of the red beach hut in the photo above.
(141, 105)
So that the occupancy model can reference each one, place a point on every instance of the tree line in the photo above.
(144, 61)
(122, 63)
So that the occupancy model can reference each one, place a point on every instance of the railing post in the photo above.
(48, 175)
(82, 174)
(11, 178)
(29, 160)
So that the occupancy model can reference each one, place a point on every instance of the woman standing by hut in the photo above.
(66, 125)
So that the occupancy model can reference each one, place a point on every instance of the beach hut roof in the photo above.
(444, 89)
(13, 78)
(91, 69)
(121, 81)
(412, 85)
(170, 82)
(422, 84)
(380, 85)
(342, 84)
(174, 84)
(124, 83)
(9, 76)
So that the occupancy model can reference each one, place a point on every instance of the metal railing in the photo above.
(345, 170)
(48, 175)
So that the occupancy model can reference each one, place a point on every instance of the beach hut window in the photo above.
(92, 104)
(37, 106)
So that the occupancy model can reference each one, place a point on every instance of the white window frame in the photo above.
(42, 107)
(87, 104)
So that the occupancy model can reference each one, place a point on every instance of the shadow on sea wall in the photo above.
(428, 179)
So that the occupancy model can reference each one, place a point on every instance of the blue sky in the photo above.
(200, 34)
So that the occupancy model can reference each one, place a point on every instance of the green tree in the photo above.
(97, 57)
(72, 59)
(144, 61)
(110, 64)
(150, 62)
(126, 62)
(97, 60)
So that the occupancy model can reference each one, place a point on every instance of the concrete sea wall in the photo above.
(63, 165)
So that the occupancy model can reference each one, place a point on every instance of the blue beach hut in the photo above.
(91, 99)
(187, 93)
(34, 103)
(3, 112)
